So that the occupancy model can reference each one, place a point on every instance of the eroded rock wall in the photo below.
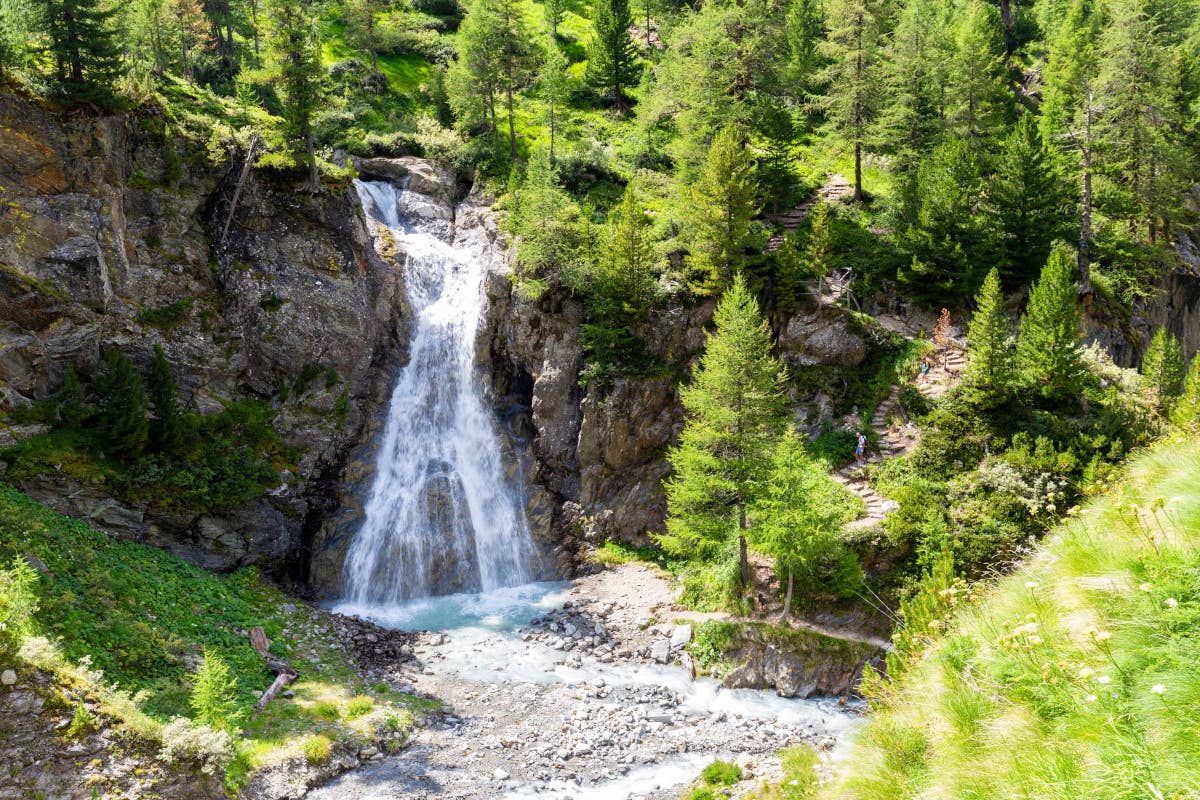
(110, 236)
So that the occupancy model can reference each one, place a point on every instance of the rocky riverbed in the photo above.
(566, 691)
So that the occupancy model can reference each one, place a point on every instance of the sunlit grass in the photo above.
(1074, 677)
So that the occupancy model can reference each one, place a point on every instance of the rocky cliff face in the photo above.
(108, 237)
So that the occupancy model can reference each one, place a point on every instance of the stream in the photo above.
(526, 719)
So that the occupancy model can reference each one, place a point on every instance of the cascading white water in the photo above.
(442, 516)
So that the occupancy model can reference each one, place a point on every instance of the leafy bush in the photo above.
(184, 741)
(317, 749)
(83, 722)
(721, 773)
(359, 706)
(18, 604)
(214, 695)
(327, 709)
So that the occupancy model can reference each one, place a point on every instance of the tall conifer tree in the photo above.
(990, 372)
(297, 58)
(735, 412)
(725, 199)
(1048, 341)
(612, 56)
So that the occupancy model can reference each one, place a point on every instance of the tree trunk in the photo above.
(858, 192)
(743, 549)
(787, 601)
(512, 130)
(371, 41)
(1085, 206)
(1007, 18)
(314, 175)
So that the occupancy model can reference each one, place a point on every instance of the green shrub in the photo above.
(214, 695)
(721, 773)
(317, 749)
(326, 709)
(700, 793)
(711, 642)
(359, 706)
(167, 318)
(184, 741)
(83, 722)
(18, 604)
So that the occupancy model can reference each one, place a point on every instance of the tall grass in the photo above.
(1075, 677)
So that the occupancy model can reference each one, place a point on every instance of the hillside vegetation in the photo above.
(140, 629)
(1074, 677)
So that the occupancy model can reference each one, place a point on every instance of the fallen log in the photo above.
(285, 673)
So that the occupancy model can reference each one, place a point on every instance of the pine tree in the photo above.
(554, 13)
(612, 56)
(627, 253)
(980, 78)
(1144, 163)
(84, 47)
(297, 57)
(122, 416)
(990, 372)
(724, 200)
(1027, 206)
(72, 411)
(789, 261)
(805, 29)
(517, 60)
(851, 79)
(1185, 413)
(736, 412)
(361, 14)
(190, 28)
(798, 514)
(555, 90)
(915, 77)
(818, 250)
(166, 429)
(1048, 342)
(948, 240)
(1162, 367)
(17, 20)
(214, 694)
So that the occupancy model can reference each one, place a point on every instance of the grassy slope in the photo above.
(144, 618)
(1074, 677)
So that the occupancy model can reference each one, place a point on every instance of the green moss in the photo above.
(167, 318)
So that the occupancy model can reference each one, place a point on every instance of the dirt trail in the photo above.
(836, 187)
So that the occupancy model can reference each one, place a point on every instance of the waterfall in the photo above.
(442, 516)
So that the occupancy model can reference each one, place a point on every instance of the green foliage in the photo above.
(984, 101)
(798, 516)
(990, 374)
(925, 614)
(72, 411)
(1049, 338)
(167, 318)
(724, 199)
(359, 706)
(735, 413)
(122, 417)
(612, 58)
(167, 427)
(1026, 202)
(18, 604)
(317, 749)
(711, 641)
(83, 722)
(84, 48)
(800, 778)
(213, 698)
(296, 59)
(627, 256)
(1162, 366)
(721, 773)
(1185, 413)
(818, 254)
(1070, 678)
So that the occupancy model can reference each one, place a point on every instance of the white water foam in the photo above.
(442, 516)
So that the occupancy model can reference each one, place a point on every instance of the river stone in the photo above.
(8, 677)
(660, 651)
(681, 636)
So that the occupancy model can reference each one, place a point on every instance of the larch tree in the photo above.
(1185, 413)
(555, 91)
(362, 16)
(990, 374)
(122, 416)
(553, 10)
(798, 514)
(735, 412)
(818, 250)
(191, 27)
(915, 75)
(517, 60)
(851, 79)
(1029, 210)
(612, 56)
(980, 76)
(1048, 342)
(166, 428)
(724, 201)
(17, 18)
(297, 65)
(1162, 367)
(627, 253)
